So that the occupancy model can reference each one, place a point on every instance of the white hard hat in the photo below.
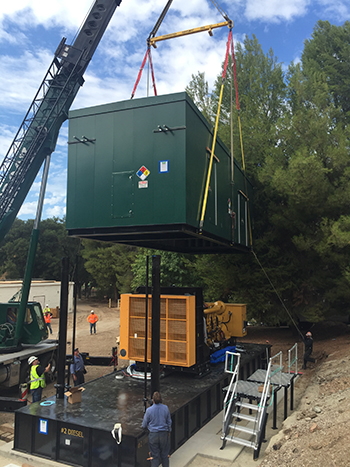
(92, 311)
(32, 359)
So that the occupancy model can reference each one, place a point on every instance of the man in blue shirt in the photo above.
(158, 421)
(77, 368)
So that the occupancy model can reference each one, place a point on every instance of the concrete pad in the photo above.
(206, 442)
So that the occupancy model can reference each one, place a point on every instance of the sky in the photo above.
(30, 31)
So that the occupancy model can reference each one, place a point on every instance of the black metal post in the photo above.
(155, 349)
(285, 402)
(62, 337)
(75, 293)
(146, 332)
(274, 393)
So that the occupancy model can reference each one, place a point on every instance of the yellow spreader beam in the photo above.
(152, 41)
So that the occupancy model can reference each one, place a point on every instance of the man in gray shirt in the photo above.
(77, 368)
(158, 421)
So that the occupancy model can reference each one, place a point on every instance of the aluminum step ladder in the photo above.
(240, 427)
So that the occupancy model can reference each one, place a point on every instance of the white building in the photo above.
(44, 292)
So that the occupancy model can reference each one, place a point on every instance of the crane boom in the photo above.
(38, 133)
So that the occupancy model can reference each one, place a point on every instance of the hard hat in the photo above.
(32, 359)
(92, 311)
(47, 304)
(308, 334)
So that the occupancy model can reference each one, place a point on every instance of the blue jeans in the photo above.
(92, 327)
(48, 325)
(159, 445)
(36, 394)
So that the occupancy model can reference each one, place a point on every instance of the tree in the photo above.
(306, 181)
(198, 90)
(176, 269)
(110, 266)
(53, 244)
(328, 52)
(262, 92)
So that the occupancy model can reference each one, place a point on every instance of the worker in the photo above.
(37, 378)
(158, 421)
(92, 319)
(47, 317)
(308, 342)
(77, 368)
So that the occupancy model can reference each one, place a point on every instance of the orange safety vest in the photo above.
(47, 318)
(92, 318)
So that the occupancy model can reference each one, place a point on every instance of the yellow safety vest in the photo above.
(35, 379)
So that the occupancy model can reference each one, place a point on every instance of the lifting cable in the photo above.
(152, 72)
(215, 134)
(220, 10)
(279, 297)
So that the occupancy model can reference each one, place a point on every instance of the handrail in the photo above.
(232, 386)
(294, 360)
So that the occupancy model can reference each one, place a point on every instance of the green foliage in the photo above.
(176, 269)
(327, 53)
(110, 266)
(198, 90)
(53, 245)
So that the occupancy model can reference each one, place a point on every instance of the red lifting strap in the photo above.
(147, 54)
(140, 73)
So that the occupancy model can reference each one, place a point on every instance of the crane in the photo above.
(36, 140)
(38, 133)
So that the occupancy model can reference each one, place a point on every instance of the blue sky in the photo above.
(30, 31)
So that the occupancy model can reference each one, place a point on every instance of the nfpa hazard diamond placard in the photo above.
(143, 173)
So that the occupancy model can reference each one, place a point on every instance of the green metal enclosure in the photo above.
(136, 175)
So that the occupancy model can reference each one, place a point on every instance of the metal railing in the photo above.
(293, 359)
(230, 367)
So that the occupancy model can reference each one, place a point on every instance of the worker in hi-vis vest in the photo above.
(37, 378)
(92, 319)
(48, 316)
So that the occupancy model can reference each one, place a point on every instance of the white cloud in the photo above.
(21, 76)
(28, 210)
(275, 10)
(339, 9)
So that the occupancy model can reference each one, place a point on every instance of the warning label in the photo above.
(143, 173)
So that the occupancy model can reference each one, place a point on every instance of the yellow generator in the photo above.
(189, 329)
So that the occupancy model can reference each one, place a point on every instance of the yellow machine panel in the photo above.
(225, 320)
(238, 325)
(177, 329)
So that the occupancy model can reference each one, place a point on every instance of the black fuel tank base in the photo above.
(80, 434)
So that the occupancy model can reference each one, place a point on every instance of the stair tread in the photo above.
(244, 429)
(243, 442)
(247, 405)
(243, 416)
